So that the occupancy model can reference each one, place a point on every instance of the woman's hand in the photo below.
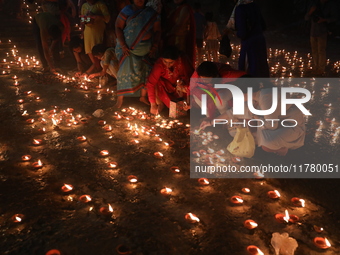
(126, 50)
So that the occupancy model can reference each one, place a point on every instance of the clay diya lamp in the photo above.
(246, 190)
(81, 138)
(17, 218)
(101, 122)
(274, 194)
(20, 101)
(285, 218)
(158, 155)
(30, 121)
(135, 134)
(192, 218)
(175, 169)
(132, 179)
(236, 160)
(53, 252)
(112, 164)
(196, 154)
(236, 200)
(37, 141)
(26, 158)
(123, 250)
(106, 210)
(322, 243)
(318, 229)
(108, 128)
(104, 153)
(37, 164)
(250, 224)
(85, 198)
(254, 250)
(69, 110)
(66, 188)
(134, 141)
(203, 181)
(166, 191)
(298, 202)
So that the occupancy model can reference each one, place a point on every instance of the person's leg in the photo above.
(36, 32)
(143, 96)
(119, 102)
(322, 44)
(315, 54)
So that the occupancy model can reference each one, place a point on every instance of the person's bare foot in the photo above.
(144, 100)
(160, 108)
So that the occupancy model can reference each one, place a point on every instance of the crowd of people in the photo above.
(157, 49)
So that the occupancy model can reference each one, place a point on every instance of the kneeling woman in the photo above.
(169, 79)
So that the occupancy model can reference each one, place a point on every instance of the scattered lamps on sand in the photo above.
(85, 198)
(298, 202)
(274, 194)
(81, 138)
(37, 164)
(112, 164)
(246, 190)
(175, 169)
(158, 155)
(106, 210)
(26, 158)
(237, 200)
(286, 218)
(253, 250)
(132, 179)
(166, 191)
(17, 218)
(203, 181)
(104, 153)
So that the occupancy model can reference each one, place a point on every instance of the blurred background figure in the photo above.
(200, 23)
(212, 36)
(83, 60)
(108, 61)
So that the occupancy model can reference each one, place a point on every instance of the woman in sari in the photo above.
(138, 34)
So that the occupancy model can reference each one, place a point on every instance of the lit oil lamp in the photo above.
(236, 160)
(81, 138)
(246, 190)
(17, 218)
(132, 179)
(237, 200)
(112, 164)
(16, 83)
(104, 153)
(20, 101)
(106, 210)
(30, 121)
(135, 141)
(298, 202)
(203, 181)
(66, 188)
(14, 77)
(166, 191)
(119, 117)
(42, 130)
(37, 164)
(37, 141)
(53, 252)
(69, 110)
(102, 123)
(158, 155)
(175, 169)
(85, 198)
(26, 158)
(285, 218)
(322, 243)
(192, 218)
(253, 250)
(108, 128)
(135, 134)
(250, 224)
(274, 194)
(318, 229)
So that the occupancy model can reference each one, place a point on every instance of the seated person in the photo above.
(83, 60)
(222, 98)
(169, 79)
(108, 61)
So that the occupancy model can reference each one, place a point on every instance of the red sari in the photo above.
(162, 81)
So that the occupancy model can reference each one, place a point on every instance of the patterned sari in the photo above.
(133, 70)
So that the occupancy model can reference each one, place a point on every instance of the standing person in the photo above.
(322, 13)
(138, 33)
(47, 29)
(108, 61)
(200, 23)
(212, 36)
(169, 79)
(181, 29)
(249, 26)
(95, 15)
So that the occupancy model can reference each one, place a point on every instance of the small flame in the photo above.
(327, 242)
(253, 224)
(303, 203)
(277, 193)
(91, 208)
(39, 163)
(286, 217)
(133, 180)
(259, 252)
(110, 208)
(246, 190)
(18, 219)
(68, 186)
(239, 200)
(193, 217)
(35, 141)
(205, 181)
(168, 190)
(88, 198)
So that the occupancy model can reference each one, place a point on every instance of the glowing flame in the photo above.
(166, 144)
(35, 141)
(302, 201)
(39, 163)
(246, 190)
(286, 217)
(68, 186)
(239, 200)
(277, 193)
(18, 219)
(259, 252)
(91, 208)
(104, 153)
(253, 224)
(88, 198)
(133, 180)
(135, 141)
(110, 208)
(327, 243)
(168, 190)
(54, 121)
(193, 217)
